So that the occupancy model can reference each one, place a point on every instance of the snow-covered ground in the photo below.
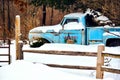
(26, 70)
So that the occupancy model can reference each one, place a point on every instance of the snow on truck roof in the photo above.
(74, 15)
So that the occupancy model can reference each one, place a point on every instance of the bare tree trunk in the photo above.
(9, 22)
(51, 21)
(3, 18)
(44, 15)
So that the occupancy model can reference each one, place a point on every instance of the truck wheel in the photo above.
(113, 42)
(39, 43)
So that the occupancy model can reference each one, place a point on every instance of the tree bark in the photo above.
(9, 22)
(51, 16)
(3, 18)
(44, 15)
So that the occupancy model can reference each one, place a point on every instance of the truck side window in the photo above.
(70, 20)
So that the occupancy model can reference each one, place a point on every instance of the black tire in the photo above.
(113, 43)
(39, 43)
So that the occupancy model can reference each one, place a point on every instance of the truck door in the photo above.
(71, 36)
(73, 31)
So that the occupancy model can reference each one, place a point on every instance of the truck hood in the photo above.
(55, 28)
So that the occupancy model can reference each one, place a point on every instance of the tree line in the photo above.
(48, 12)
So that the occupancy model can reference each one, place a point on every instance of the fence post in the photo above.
(9, 42)
(20, 45)
(17, 35)
(100, 62)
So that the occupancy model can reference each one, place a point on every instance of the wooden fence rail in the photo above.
(70, 53)
(100, 68)
(108, 69)
(56, 52)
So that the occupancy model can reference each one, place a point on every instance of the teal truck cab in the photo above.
(77, 28)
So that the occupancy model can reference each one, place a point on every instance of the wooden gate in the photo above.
(5, 44)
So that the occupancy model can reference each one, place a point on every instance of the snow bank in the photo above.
(73, 47)
(65, 47)
(22, 70)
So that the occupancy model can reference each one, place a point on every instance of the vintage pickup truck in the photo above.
(77, 28)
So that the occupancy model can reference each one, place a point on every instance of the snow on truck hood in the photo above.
(57, 28)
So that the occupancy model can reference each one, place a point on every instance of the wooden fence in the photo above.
(5, 44)
(100, 68)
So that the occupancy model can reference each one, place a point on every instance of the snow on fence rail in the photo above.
(100, 54)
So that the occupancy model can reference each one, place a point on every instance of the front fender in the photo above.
(46, 36)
